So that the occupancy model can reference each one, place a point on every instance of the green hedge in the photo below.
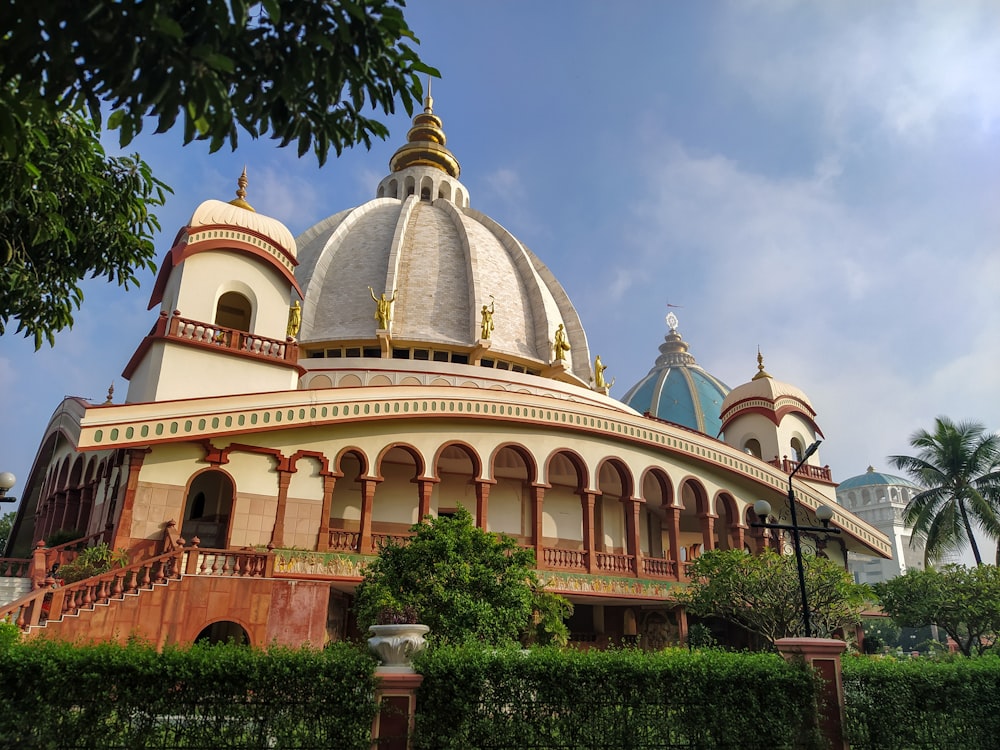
(472, 698)
(922, 703)
(56, 695)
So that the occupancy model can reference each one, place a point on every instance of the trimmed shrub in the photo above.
(546, 698)
(922, 703)
(111, 697)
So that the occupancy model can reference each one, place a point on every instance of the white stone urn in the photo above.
(395, 645)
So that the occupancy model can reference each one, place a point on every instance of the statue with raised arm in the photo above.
(294, 320)
(599, 369)
(383, 313)
(486, 326)
(561, 344)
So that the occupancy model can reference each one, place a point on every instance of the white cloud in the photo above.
(914, 67)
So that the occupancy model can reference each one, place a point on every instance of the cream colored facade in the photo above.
(315, 446)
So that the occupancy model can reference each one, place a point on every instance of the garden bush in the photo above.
(56, 695)
(922, 703)
(547, 698)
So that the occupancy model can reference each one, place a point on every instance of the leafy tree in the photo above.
(68, 210)
(761, 593)
(465, 583)
(959, 467)
(6, 524)
(880, 632)
(299, 71)
(964, 602)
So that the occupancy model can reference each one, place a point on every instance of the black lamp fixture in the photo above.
(823, 513)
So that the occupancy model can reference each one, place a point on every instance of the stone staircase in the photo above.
(13, 588)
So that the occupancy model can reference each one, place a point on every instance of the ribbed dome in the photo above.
(871, 478)
(445, 262)
(679, 390)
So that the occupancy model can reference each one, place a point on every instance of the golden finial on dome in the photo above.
(241, 193)
(425, 143)
(111, 394)
(760, 367)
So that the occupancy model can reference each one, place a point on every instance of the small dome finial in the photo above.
(429, 100)
(672, 322)
(241, 192)
(760, 367)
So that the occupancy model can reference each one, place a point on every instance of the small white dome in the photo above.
(219, 213)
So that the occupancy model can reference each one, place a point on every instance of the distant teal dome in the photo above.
(872, 477)
(678, 389)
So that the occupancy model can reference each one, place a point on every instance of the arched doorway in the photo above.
(233, 311)
(223, 631)
(208, 509)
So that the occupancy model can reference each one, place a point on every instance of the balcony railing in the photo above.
(209, 334)
(808, 471)
(564, 559)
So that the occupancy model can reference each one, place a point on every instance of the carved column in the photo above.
(367, 503)
(58, 511)
(86, 506)
(323, 542)
(72, 512)
(537, 498)
(631, 506)
(426, 488)
(123, 529)
(707, 531)
(587, 502)
(673, 519)
(278, 532)
(737, 535)
(482, 501)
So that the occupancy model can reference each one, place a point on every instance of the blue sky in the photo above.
(821, 180)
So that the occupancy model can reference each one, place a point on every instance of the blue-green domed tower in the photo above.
(678, 389)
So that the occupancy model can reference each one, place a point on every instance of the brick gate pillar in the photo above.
(823, 655)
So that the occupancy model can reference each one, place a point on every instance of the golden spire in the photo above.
(425, 143)
(241, 193)
(111, 394)
(760, 367)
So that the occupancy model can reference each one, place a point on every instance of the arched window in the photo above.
(752, 446)
(797, 449)
(233, 311)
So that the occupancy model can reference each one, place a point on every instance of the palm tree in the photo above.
(958, 465)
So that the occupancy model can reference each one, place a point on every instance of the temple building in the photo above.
(880, 499)
(300, 401)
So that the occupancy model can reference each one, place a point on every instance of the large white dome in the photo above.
(444, 260)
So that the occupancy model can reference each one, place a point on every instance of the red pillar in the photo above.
(278, 532)
(707, 531)
(632, 530)
(537, 498)
(587, 502)
(673, 514)
(367, 503)
(323, 540)
(426, 488)
(738, 536)
(482, 501)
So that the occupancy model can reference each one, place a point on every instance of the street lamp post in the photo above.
(824, 513)
(7, 480)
